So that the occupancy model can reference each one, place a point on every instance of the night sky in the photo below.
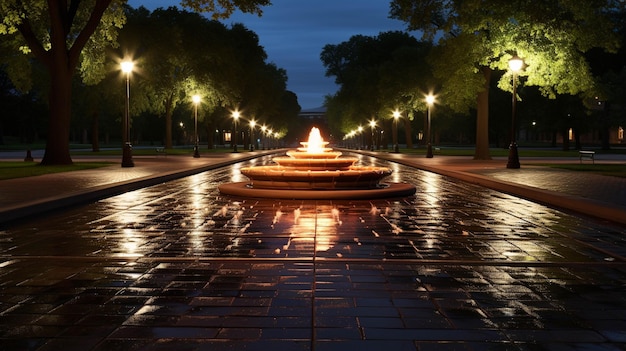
(293, 33)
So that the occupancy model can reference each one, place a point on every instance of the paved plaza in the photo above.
(178, 266)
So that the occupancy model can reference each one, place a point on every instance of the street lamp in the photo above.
(235, 118)
(372, 125)
(515, 64)
(361, 141)
(396, 115)
(127, 149)
(430, 100)
(196, 101)
(252, 124)
(263, 131)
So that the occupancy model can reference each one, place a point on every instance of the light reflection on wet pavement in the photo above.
(180, 266)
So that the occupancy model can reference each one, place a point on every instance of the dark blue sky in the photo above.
(293, 33)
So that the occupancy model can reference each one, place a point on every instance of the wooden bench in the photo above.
(160, 151)
(588, 155)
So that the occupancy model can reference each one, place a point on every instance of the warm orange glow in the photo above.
(315, 144)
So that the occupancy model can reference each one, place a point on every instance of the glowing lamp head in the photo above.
(236, 115)
(396, 114)
(430, 99)
(127, 66)
(516, 63)
(195, 99)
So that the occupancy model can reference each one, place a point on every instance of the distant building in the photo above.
(314, 117)
(314, 113)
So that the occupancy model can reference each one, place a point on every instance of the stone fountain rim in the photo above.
(390, 190)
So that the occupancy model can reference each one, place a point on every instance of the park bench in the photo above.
(588, 155)
(160, 151)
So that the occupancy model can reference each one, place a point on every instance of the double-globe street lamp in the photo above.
(515, 65)
(396, 115)
(430, 100)
(127, 149)
(234, 137)
(196, 101)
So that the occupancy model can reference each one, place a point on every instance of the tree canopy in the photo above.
(64, 35)
(376, 75)
(479, 36)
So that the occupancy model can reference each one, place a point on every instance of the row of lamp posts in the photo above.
(265, 131)
(430, 100)
(515, 65)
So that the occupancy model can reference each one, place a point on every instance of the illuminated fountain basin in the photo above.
(314, 171)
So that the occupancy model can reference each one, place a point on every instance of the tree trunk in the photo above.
(407, 133)
(95, 141)
(210, 130)
(482, 119)
(58, 133)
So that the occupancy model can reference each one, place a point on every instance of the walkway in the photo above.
(176, 266)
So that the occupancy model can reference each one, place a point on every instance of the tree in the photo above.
(67, 35)
(479, 36)
(376, 75)
(177, 51)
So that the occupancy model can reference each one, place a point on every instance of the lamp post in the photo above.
(252, 124)
(372, 125)
(263, 131)
(396, 115)
(127, 149)
(515, 64)
(430, 100)
(361, 141)
(196, 101)
(234, 138)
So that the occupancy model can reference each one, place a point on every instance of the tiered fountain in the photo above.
(314, 171)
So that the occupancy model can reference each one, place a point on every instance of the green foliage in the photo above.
(66, 35)
(477, 37)
(377, 75)
(551, 36)
(225, 8)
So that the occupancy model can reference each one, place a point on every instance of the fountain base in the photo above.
(383, 191)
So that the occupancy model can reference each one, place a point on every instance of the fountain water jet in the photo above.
(314, 171)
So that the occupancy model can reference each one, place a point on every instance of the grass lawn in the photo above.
(603, 169)
(19, 169)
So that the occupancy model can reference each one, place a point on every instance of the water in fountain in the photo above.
(313, 171)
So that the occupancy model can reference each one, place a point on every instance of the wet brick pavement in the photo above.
(177, 266)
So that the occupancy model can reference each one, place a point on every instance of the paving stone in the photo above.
(178, 266)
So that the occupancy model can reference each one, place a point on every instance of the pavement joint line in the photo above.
(323, 260)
